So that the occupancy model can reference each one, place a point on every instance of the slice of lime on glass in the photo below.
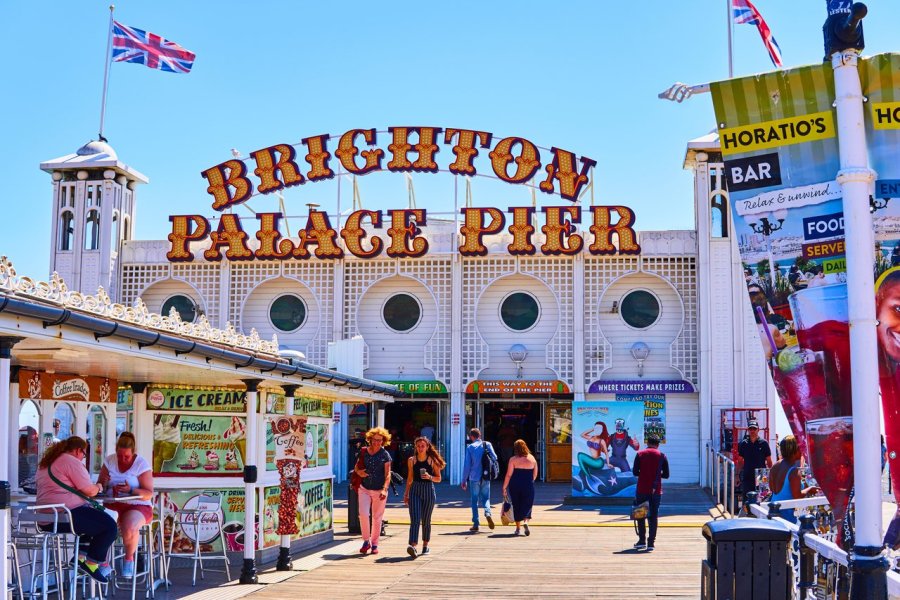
(789, 359)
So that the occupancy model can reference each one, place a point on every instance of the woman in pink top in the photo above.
(129, 474)
(62, 478)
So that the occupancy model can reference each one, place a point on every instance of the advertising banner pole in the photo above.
(248, 572)
(843, 43)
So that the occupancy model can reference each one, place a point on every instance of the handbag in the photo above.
(356, 480)
(506, 514)
(640, 511)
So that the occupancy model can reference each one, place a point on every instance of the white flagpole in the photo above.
(730, 42)
(106, 71)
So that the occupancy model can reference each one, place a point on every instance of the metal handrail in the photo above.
(720, 473)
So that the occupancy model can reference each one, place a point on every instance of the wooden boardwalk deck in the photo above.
(573, 552)
(554, 562)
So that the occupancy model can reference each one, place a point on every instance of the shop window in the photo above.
(96, 431)
(92, 230)
(639, 309)
(560, 424)
(29, 446)
(520, 311)
(183, 305)
(287, 313)
(66, 230)
(63, 422)
(402, 312)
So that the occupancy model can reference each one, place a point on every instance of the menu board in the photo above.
(198, 446)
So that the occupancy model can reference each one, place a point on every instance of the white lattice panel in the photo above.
(318, 276)
(206, 279)
(138, 277)
(599, 272)
(558, 274)
(478, 274)
(681, 272)
(358, 276)
(244, 278)
(435, 274)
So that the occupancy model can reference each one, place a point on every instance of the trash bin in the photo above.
(352, 511)
(746, 558)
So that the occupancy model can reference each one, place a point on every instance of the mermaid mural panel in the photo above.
(607, 436)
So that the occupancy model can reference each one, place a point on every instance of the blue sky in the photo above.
(576, 76)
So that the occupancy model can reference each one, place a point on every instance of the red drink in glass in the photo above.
(800, 382)
(832, 339)
(831, 460)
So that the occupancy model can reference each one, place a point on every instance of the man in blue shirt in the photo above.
(479, 489)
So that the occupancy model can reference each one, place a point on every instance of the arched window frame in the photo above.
(66, 230)
(92, 230)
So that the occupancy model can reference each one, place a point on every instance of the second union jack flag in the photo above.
(746, 14)
(137, 46)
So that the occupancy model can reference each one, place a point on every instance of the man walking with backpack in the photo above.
(480, 467)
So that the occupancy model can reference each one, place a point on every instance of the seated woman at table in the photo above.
(62, 478)
(129, 474)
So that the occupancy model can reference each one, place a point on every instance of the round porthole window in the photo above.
(184, 305)
(520, 311)
(640, 309)
(287, 313)
(401, 312)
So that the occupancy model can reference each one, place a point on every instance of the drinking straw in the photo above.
(765, 324)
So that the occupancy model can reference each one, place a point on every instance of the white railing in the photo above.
(721, 478)
(823, 547)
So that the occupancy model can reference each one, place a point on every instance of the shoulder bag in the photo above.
(90, 501)
(356, 480)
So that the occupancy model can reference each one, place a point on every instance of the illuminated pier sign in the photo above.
(514, 160)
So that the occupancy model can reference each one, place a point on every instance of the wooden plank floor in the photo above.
(554, 562)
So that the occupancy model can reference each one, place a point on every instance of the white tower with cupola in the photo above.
(92, 215)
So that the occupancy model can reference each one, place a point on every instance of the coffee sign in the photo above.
(70, 388)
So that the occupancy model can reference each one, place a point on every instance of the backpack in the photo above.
(490, 466)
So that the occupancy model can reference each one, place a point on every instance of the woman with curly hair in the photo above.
(62, 478)
(423, 471)
(375, 470)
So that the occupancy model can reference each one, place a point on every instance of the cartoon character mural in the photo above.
(601, 462)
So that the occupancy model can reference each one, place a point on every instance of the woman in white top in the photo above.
(127, 474)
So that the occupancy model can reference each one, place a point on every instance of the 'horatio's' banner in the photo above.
(778, 133)
(514, 160)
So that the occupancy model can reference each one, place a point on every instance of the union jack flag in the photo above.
(746, 14)
(137, 46)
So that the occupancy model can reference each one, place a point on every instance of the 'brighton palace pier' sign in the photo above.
(514, 160)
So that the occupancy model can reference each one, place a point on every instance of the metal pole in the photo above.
(730, 22)
(867, 565)
(106, 72)
(248, 571)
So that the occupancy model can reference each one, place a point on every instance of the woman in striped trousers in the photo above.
(423, 471)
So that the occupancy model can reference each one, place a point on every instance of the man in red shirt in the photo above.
(651, 466)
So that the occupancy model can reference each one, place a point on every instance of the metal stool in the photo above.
(37, 534)
(208, 510)
(15, 583)
(151, 548)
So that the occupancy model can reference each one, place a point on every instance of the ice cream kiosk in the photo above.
(199, 443)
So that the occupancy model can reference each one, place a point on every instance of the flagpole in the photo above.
(106, 72)
(730, 22)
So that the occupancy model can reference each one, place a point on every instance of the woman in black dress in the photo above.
(521, 472)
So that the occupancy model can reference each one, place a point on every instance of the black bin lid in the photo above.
(746, 530)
